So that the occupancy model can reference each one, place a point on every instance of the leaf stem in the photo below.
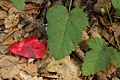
(70, 5)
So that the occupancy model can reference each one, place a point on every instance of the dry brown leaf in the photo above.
(78, 3)
(95, 34)
(1, 21)
(110, 70)
(48, 75)
(2, 14)
(79, 53)
(65, 67)
(8, 61)
(83, 46)
(4, 49)
(100, 6)
(46, 59)
(8, 40)
(26, 76)
(11, 21)
(35, 1)
(5, 4)
(13, 10)
(8, 67)
(31, 10)
(30, 68)
(108, 36)
(116, 26)
(101, 76)
(84, 36)
(2, 35)
(9, 72)
(115, 78)
(104, 21)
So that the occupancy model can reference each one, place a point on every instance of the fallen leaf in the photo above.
(8, 67)
(2, 35)
(116, 26)
(9, 72)
(95, 34)
(11, 21)
(108, 36)
(101, 76)
(111, 68)
(84, 36)
(26, 76)
(29, 48)
(2, 14)
(8, 40)
(5, 4)
(4, 49)
(67, 69)
(1, 21)
(30, 68)
(115, 78)
(35, 1)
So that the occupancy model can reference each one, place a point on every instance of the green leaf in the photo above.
(116, 5)
(116, 57)
(96, 44)
(64, 29)
(19, 4)
(97, 59)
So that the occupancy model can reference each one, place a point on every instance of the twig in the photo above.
(112, 26)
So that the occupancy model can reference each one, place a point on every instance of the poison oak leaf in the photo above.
(29, 48)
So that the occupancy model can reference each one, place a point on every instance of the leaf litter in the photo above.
(16, 67)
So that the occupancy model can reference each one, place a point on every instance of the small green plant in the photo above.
(64, 29)
(99, 57)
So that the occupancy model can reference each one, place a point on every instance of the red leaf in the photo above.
(29, 48)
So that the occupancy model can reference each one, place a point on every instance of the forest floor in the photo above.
(16, 25)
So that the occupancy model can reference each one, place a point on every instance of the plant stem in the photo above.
(112, 26)
(70, 5)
